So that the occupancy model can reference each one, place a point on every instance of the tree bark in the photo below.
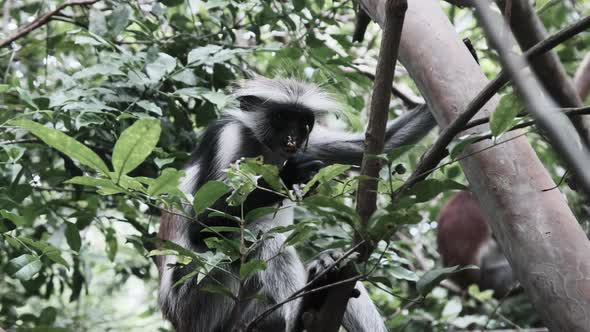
(582, 78)
(537, 231)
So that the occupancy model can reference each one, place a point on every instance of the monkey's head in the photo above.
(281, 112)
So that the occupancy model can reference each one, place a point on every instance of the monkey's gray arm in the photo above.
(347, 148)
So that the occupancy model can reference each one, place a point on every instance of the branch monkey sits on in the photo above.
(276, 119)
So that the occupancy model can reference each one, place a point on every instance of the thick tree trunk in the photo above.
(537, 231)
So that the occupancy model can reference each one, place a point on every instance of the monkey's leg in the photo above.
(361, 313)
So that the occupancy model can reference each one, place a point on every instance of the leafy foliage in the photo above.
(101, 108)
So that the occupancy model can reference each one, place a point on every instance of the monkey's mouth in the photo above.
(288, 151)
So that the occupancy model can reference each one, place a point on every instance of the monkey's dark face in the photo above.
(287, 129)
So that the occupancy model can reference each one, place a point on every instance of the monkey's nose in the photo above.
(290, 144)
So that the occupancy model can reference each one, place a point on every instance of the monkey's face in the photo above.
(288, 129)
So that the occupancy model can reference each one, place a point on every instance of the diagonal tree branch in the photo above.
(42, 20)
(529, 30)
(557, 126)
(438, 152)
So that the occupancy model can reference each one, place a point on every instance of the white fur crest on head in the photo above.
(288, 91)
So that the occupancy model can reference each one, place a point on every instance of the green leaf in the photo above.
(186, 277)
(16, 219)
(12, 242)
(325, 175)
(259, 212)
(150, 107)
(106, 186)
(219, 99)
(186, 76)
(168, 245)
(168, 181)
(401, 273)
(202, 54)
(161, 162)
(433, 277)
(270, 173)
(64, 144)
(430, 188)
(119, 19)
(191, 92)
(218, 289)
(503, 118)
(298, 235)
(24, 267)
(46, 249)
(73, 237)
(250, 267)
(4, 87)
(163, 65)
(134, 145)
(208, 194)
(97, 23)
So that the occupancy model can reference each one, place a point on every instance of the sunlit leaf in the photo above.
(24, 267)
(163, 65)
(134, 145)
(64, 144)
(46, 249)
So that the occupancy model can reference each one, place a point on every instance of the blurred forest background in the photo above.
(75, 243)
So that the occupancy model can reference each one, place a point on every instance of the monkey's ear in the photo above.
(250, 103)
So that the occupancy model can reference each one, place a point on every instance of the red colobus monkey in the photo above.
(276, 119)
(464, 237)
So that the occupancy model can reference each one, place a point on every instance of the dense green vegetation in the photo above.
(101, 107)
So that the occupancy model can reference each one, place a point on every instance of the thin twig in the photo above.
(42, 20)
(570, 111)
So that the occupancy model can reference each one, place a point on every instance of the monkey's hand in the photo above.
(325, 261)
(300, 169)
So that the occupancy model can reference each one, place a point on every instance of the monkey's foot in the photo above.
(326, 260)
